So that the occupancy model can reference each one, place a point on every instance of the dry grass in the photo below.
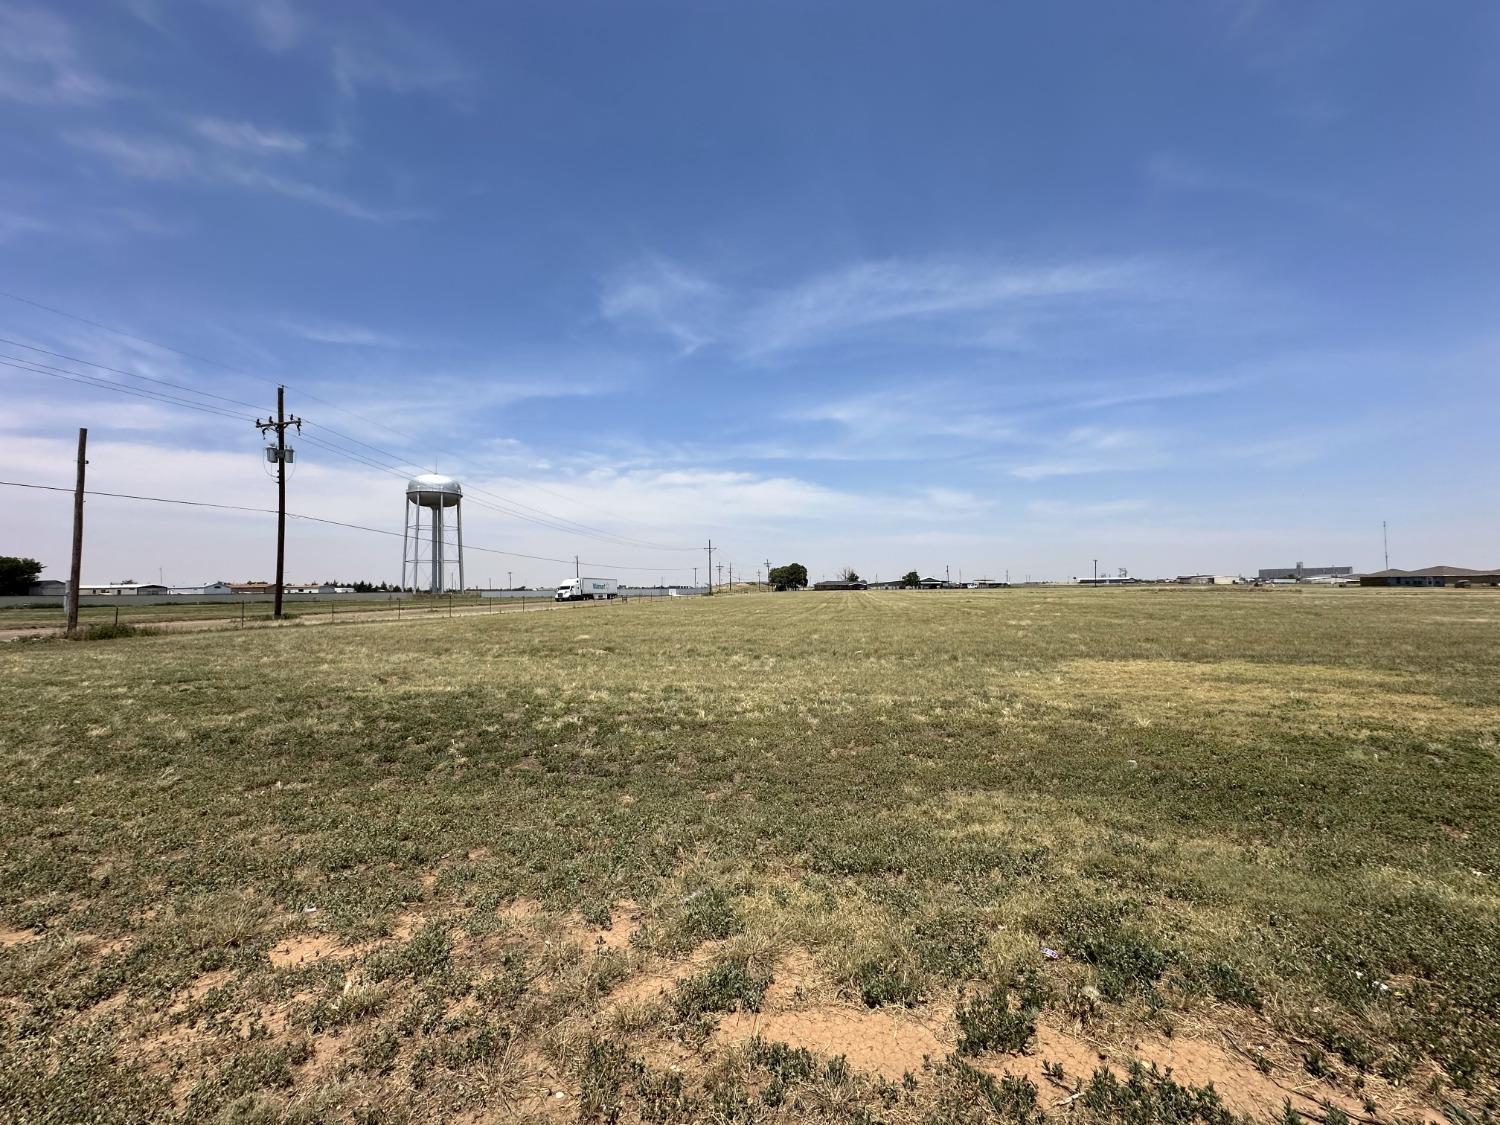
(669, 862)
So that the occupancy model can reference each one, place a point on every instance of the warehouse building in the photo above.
(1433, 576)
(1299, 572)
(1207, 579)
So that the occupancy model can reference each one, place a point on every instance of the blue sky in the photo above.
(1181, 287)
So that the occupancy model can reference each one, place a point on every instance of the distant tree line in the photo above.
(18, 575)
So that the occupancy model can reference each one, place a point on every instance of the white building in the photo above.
(1207, 579)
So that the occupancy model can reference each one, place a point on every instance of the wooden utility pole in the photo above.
(710, 566)
(281, 456)
(75, 570)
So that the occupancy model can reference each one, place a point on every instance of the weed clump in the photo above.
(880, 983)
(988, 1023)
(723, 988)
(967, 1096)
(1149, 1096)
(111, 632)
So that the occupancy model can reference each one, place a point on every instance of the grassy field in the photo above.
(879, 857)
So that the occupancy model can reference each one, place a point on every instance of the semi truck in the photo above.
(588, 589)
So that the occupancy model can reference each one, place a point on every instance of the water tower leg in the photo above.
(458, 513)
(405, 529)
(437, 548)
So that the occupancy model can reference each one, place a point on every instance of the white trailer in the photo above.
(588, 589)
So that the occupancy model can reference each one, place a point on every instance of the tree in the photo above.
(848, 575)
(792, 576)
(911, 578)
(18, 575)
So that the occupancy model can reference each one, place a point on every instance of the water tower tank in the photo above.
(433, 491)
(427, 555)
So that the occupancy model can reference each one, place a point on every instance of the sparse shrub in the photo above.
(967, 1096)
(987, 1023)
(1316, 1063)
(603, 1069)
(710, 915)
(1127, 962)
(426, 954)
(726, 986)
(881, 983)
(1227, 983)
(1355, 1050)
(1151, 1096)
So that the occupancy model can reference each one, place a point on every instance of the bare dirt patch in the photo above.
(303, 949)
(885, 1041)
(12, 937)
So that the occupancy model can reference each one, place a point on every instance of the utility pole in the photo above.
(576, 572)
(1096, 572)
(710, 566)
(731, 577)
(695, 577)
(75, 571)
(510, 582)
(768, 574)
(282, 456)
(721, 574)
(1385, 537)
(947, 576)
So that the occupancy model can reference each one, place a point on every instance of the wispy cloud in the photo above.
(661, 297)
(1070, 509)
(344, 335)
(1094, 449)
(40, 62)
(869, 295)
(248, 137)
(160, 158)
(862, 300)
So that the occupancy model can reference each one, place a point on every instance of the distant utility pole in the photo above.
(1096, 572)
(75, 572)
(947, 575)
(1385, 537)
(576, 572)
(710, 566)
(768, 574)
(281, 456)
(695, 577)
(721, 574)
(731, 576)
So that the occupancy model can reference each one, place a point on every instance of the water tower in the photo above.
(431, 568)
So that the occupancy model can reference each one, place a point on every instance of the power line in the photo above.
(504, 507)
(127, 374)
(20, 363)
(622, 540)
(322, 520)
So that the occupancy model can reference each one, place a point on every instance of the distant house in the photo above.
(50, 587)
(1433, 576)
(1207, 579)
(840, 586)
